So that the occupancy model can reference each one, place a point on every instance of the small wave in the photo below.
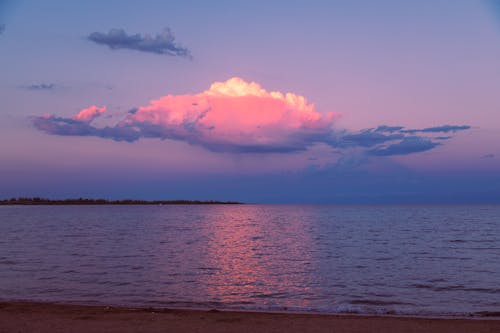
(380, 295)
(483, 248)
(449, 258)
(377, 302)
(456, 288)
(136, 268)
(484, 290)
(70, 271)
(271, 295)
(97, 295)
(437, 280)
(88, 265)
(44, 278)
(208, 269)
(99, 273)
(116, 284)
(51, 291)
(487, 314)
(384, 259)
(120, 266)
(347, 308)
(75, 236)
(187, 304)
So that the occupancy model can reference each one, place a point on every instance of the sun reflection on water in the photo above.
(249, 260)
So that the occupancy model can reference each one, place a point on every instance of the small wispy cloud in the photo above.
(438, 129)
(408, 145)
(487, 156)
(389, 129)
(162, 43)
(40, 86)
(368, 138)
(236, 116)
(395, 140)
(2, 28)
(75, 127)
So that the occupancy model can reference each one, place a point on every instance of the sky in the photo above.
(255, 101)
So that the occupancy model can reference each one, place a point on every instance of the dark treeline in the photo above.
(83, 201)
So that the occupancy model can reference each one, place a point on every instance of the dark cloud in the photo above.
(63, 126)
(162, 43)
(368, 138)
(408, 145)
(72, 127)
(41, 86)
(488, 156)
(2, 28)
(390, 129)
(395, 140)
(438, 129)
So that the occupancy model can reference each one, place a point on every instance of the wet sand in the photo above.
(47, 317)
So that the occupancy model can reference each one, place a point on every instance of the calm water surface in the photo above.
(425, 260)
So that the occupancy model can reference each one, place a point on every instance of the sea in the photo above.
(418, 260)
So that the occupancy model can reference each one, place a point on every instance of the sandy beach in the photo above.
(47, 317)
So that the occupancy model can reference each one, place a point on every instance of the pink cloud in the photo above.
(233, 112)
(89, 114)
(240, 116)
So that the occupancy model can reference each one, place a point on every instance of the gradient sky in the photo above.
(188, 100)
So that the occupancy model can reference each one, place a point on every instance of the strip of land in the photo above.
(83, 201)
(47, 317)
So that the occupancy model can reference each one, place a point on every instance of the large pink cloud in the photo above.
(240, 116)
(233, 113)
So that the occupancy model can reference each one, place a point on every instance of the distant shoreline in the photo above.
(84, 201)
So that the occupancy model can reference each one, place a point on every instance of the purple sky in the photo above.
(282, 101)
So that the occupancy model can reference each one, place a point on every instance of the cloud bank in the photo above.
(241, 117)
(162, 43)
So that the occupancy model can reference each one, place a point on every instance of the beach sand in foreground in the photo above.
(46, 317)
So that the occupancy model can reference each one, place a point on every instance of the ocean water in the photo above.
(414, 260)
